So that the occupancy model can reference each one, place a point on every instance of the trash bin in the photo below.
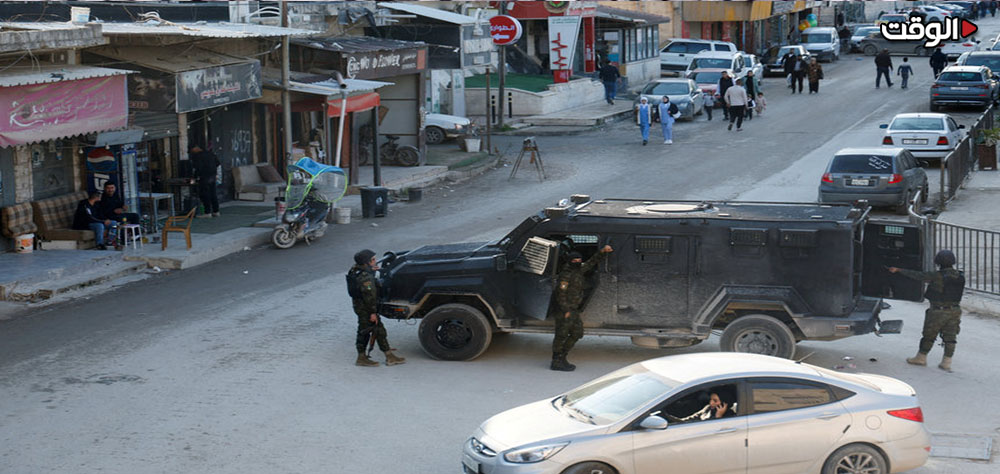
(374, 201)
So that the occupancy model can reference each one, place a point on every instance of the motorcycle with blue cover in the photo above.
(312, 189)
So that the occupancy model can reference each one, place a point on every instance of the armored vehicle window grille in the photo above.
(535, 255)
(582, 239)
(744, 236)
(802, 238)
(652, 244)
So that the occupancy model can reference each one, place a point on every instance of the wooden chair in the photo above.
(179, 224)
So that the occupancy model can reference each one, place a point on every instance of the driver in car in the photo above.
(716, 408)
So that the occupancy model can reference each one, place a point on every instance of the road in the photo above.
(219, 371)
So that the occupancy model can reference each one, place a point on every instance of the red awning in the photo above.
(355, 103)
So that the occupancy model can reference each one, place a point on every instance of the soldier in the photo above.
(364, 296)
(944, 292)
(569, 294)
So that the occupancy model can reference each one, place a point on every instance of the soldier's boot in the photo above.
(560, 364)
(919, 359)
(393, 359)
(945, 363)
(364, 361)
(565, 362)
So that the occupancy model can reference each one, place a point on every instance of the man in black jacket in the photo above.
(112, 206)
(883, 66)
(205, 166)
(725, 82)
(938, 61)
(87, 217)
(609, 76)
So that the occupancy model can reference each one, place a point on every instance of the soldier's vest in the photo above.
(953, 284)
(353, 278)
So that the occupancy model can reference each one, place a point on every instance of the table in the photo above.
(156, 198)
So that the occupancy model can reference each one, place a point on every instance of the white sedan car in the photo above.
(438, 127)
(710, 413)
(925, 135)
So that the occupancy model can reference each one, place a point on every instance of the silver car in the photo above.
(683, 93)
(710, 413)
(439, 127)
(889, 176)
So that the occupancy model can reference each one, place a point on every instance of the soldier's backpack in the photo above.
(352, 283)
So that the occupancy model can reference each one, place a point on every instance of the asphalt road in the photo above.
(213, 370)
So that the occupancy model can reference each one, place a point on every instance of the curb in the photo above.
(469, 172)
(985, 305)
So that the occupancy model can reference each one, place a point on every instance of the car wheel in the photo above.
(590, 468)
(856, 458)
(455, 332)
(434, 135)
(902, 208)
(758, 334)
(870, 50)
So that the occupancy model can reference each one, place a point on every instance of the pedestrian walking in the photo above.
(943, 317)
(206, 166)
(609, 76)
(363, 289)
(569, 294)
(938, 61)
(725, 82)
(752, 86)
(736, 99)
(993, 9)
(799, 67)
(709, 105)
(904, 71)
(760, 103)
(845, 39)
(883, 67)
(643, 117)
(667, 113)
(815, 73)
(788, 63)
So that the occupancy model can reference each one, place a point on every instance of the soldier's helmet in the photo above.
(573, 256)
(944, 258)
(363, 257)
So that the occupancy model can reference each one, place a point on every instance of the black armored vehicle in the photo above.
(766, 275)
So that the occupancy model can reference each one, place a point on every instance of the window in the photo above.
(956, 76)
(612, 397)
(778, 395)
(676, 47)
(861, 164)
(952, 126)
(724, 47)
(917, 123)
(696, 48)
(702, 404)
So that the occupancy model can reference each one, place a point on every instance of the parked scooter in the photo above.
(312, 188)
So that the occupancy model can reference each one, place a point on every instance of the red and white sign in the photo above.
(562, 41)
(505, 30)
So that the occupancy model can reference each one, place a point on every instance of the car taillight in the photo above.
(981, 86)
(896, 178)
(887, 140)
(912, 414)
(967, 45)
(942, 141)
(827, 178)
(935, 86)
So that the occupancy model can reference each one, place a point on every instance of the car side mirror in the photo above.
(653, 422)
(961, 126)
(884, 125)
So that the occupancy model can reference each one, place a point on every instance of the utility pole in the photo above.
(502, 72)
(286, 100)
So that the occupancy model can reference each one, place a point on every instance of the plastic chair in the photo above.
(179, 224)
(133, 233)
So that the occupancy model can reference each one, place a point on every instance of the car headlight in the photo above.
(459, 126)
(534, 453)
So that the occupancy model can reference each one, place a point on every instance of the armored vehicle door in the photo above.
(653, 280)
(533, 274)
(890, 244)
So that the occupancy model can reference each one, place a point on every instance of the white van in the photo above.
(718, 60)
(676, 55)
(822, 42)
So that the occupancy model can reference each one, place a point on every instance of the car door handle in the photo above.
(726, 430)
(624, 307)
(828, 416)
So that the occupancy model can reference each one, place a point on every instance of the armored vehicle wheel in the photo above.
(758, 334)
(455, 332)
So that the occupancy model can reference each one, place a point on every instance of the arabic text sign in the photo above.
(211, 87)
(40, 112)
(505, 30)
(379, 64)
(562, 41)
(951, 29)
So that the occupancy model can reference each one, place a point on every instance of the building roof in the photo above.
(437, 14)
(199, 29)
(172, 59)
(629, 16)
(20, 76)
(306, 83)
(357, 44)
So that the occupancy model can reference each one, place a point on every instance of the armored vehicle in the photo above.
(766, 275)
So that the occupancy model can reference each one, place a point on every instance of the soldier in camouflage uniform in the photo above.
(364, 297)
(569, 293)
(944, 292)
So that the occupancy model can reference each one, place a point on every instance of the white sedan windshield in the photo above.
(612, 397)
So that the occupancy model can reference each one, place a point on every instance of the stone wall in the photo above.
(558, 97)
(22, 175)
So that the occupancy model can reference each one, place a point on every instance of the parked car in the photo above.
(798, 418)
(934, 13)
(926, 136)
(822, 42)
(892, 18)
(882, 176)
(861, 32)
(990, 59)
(717, 59)
(683, 93)
(774, 59)
(964, 85)
(954, 49)
(995, 44)
(439, 127)
(965, 6)
(875, 43)
(752, 63)
(707, 80)
(676, 55)
(953, 10)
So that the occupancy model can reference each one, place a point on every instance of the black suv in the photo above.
(766, 274)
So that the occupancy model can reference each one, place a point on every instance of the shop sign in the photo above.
(376, 64)
(151, 91)
(505, 30)
(215, 86)
(39, 112)
(562, 41)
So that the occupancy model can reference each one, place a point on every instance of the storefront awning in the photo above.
(61, 101)
(629, 16)
(367, 57)
(428, 12)
(199, 29)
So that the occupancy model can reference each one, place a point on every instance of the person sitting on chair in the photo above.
(87, 217)
(112, 206)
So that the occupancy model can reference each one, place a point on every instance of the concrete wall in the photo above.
(22, 175)
(558, 97)
(640, 73)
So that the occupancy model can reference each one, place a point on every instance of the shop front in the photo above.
(630, 40)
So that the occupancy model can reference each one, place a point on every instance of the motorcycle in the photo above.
(312, 189)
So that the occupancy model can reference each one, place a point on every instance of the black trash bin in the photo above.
(374, 201)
